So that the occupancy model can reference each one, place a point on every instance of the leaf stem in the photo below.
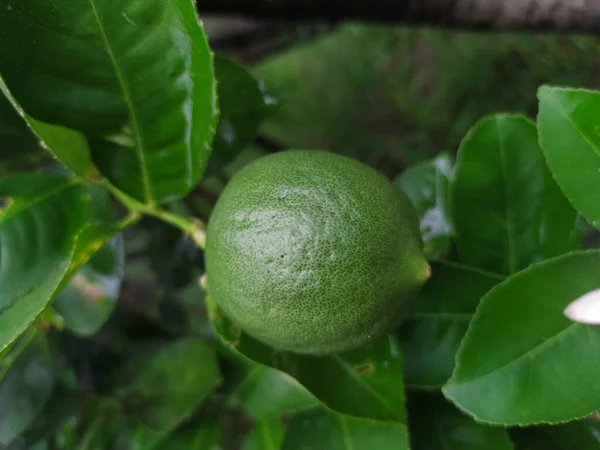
(193, 227)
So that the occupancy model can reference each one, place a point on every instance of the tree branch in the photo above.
(566, 15)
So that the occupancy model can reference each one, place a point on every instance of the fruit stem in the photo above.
(192, 227)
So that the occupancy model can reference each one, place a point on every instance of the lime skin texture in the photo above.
(313, 252)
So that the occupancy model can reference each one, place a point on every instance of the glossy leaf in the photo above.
(507, 210)
(581, 435)
(38, 230)
(321, 429)
(243, 104)
(568, 132)
(136, 73)
(90, 297)
(426, 185)
(436, 424)
(268, 392)
(522, 361)
(267, 434)
(19, 148)
(68, 146)
(24, 391)
(363, 383)
(165, 385)
(47, 232)
(432, 333)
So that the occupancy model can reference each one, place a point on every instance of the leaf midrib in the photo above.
(51, 192)
(352, 374)
(128, 98)
(512, 263)
(559, 107)
(529, 353)
(345, 433)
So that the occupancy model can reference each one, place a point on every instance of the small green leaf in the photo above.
(581, 435)
(569, 135)
(507, 210)
(522, 361)
(363, 383)
(432, 333)
(165, 385)
(322, 429)
(136, 73)
(25, 390)
(90, 297)
(243, 104)
(267, 434)
(436, 424)
(426, 185)
(268, 392)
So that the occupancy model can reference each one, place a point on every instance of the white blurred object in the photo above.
(586, 309)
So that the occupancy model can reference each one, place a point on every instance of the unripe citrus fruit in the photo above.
(313, 252)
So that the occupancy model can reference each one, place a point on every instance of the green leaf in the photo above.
(25, 390)
(568, 131)
(363, 383)
(432, 333)
(90, 297)
(19, 148)
(204, 436)
(507, 210)
(138, 73)
(243, 104)
(581, 435)
(37, 235)
(522, 361)
(45, 236)
(267, 434)
(436, 424)
(68, 146)
(166, 384)
(426, 185)
(333, 431)
(268, 392)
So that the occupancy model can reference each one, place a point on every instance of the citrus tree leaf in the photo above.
(45, 235)
(507, 210)
(362, 383)
(90, 297)
(436, 424)
(267, 434)
(203, 436)
(568, 134)
(244, 105)
(164, 385)
(426, 185)
(581, 435)
(19, 148)
(38, 229)
(520, 347)
(68, 146)
(267, 392)
(24, 390)
(432, 333)
(322, 429)
(136, 73)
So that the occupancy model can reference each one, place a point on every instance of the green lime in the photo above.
(313, 252)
